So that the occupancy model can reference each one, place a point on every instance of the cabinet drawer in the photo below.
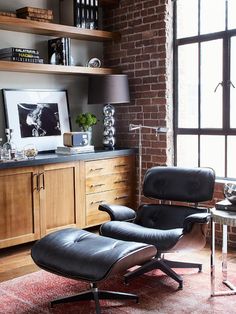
(118, 197)
(109, 182)
(108, 166)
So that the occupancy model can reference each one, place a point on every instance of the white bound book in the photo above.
(74, 150)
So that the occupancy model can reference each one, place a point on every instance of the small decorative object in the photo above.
(9, 148)
(85, 121)
(230, 192)
(94, 63)
(38, 116)
(30, 151)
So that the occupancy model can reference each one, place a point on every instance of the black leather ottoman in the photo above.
(79, 254)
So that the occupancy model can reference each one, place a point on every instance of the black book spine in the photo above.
(83, 16)
(20, 54)
(88, 17)
(77, 15)
(19, 50)
(95, 14)
(68, 51)
(21, 59)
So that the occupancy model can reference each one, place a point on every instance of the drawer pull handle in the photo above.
(95, 169)
(121, 165)
(120, 181)
(121, 197)
(97, 202)
(96, 185)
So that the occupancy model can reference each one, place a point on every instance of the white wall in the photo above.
(76, 86)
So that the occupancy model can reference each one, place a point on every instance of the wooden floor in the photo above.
(16, 261)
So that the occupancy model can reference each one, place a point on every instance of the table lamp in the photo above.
(108, 90)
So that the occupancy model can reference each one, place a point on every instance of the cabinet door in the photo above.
(19, 206)
(57, 197)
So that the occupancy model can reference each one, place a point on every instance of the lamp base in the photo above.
(109, 129)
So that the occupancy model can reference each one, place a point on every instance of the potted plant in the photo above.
(85, 121)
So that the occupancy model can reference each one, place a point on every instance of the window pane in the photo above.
(187, 24)
(212, 153)
(231, 167)
(231, 14)
(233, 80)
(188, 86)
(212, 16)
(211, 76)
(187, 150)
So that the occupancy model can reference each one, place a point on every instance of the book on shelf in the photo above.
(19, 54)
(21, 59)
(18, 50)
(35, 15)
(59, 51)
(34, 10)
(74, 150)
(225, 205)
(80, 13)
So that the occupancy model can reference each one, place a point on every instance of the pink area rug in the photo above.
(158, 294)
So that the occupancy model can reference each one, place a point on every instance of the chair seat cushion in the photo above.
(164, 240)
(80, 254)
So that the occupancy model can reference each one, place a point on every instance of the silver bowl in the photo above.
(230, 192)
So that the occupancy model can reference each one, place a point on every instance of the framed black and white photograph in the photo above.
(37, 116)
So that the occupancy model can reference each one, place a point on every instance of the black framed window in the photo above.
(205, 81)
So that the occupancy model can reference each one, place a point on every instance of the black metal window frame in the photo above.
(226, 36)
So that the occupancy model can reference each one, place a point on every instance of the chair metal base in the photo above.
(95, 294)
(165, 266)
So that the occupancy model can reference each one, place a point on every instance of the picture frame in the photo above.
(38, 117)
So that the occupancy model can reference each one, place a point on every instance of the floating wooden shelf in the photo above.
(56, 30)
(53, 69)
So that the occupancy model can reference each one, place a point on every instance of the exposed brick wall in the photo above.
(144, 53)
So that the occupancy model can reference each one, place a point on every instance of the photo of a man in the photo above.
(41, 119)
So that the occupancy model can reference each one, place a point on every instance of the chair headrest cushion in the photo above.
(179, 184)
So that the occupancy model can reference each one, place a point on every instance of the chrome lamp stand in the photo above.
(139, 127)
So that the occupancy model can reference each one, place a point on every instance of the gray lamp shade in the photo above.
(108, 89)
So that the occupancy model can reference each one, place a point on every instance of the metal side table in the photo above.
(225, 218)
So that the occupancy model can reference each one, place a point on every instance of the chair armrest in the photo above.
(118, 212)
(200, 218)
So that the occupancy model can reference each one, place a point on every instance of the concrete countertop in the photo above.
(50, 158)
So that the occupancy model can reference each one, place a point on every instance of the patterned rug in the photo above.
(32, 293)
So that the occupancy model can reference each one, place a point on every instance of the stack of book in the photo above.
(7, 13)
(59, 51)
(87, 14)
(35, 14)
(20, 55)
(79, 13)
(65, 150)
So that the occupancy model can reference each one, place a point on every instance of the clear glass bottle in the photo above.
(9, 148)
(1, 150)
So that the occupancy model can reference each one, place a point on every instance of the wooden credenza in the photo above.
(36, 200)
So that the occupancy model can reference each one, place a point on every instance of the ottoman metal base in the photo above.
(95, 294)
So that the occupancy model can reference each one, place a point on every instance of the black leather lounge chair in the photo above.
(170, 227)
